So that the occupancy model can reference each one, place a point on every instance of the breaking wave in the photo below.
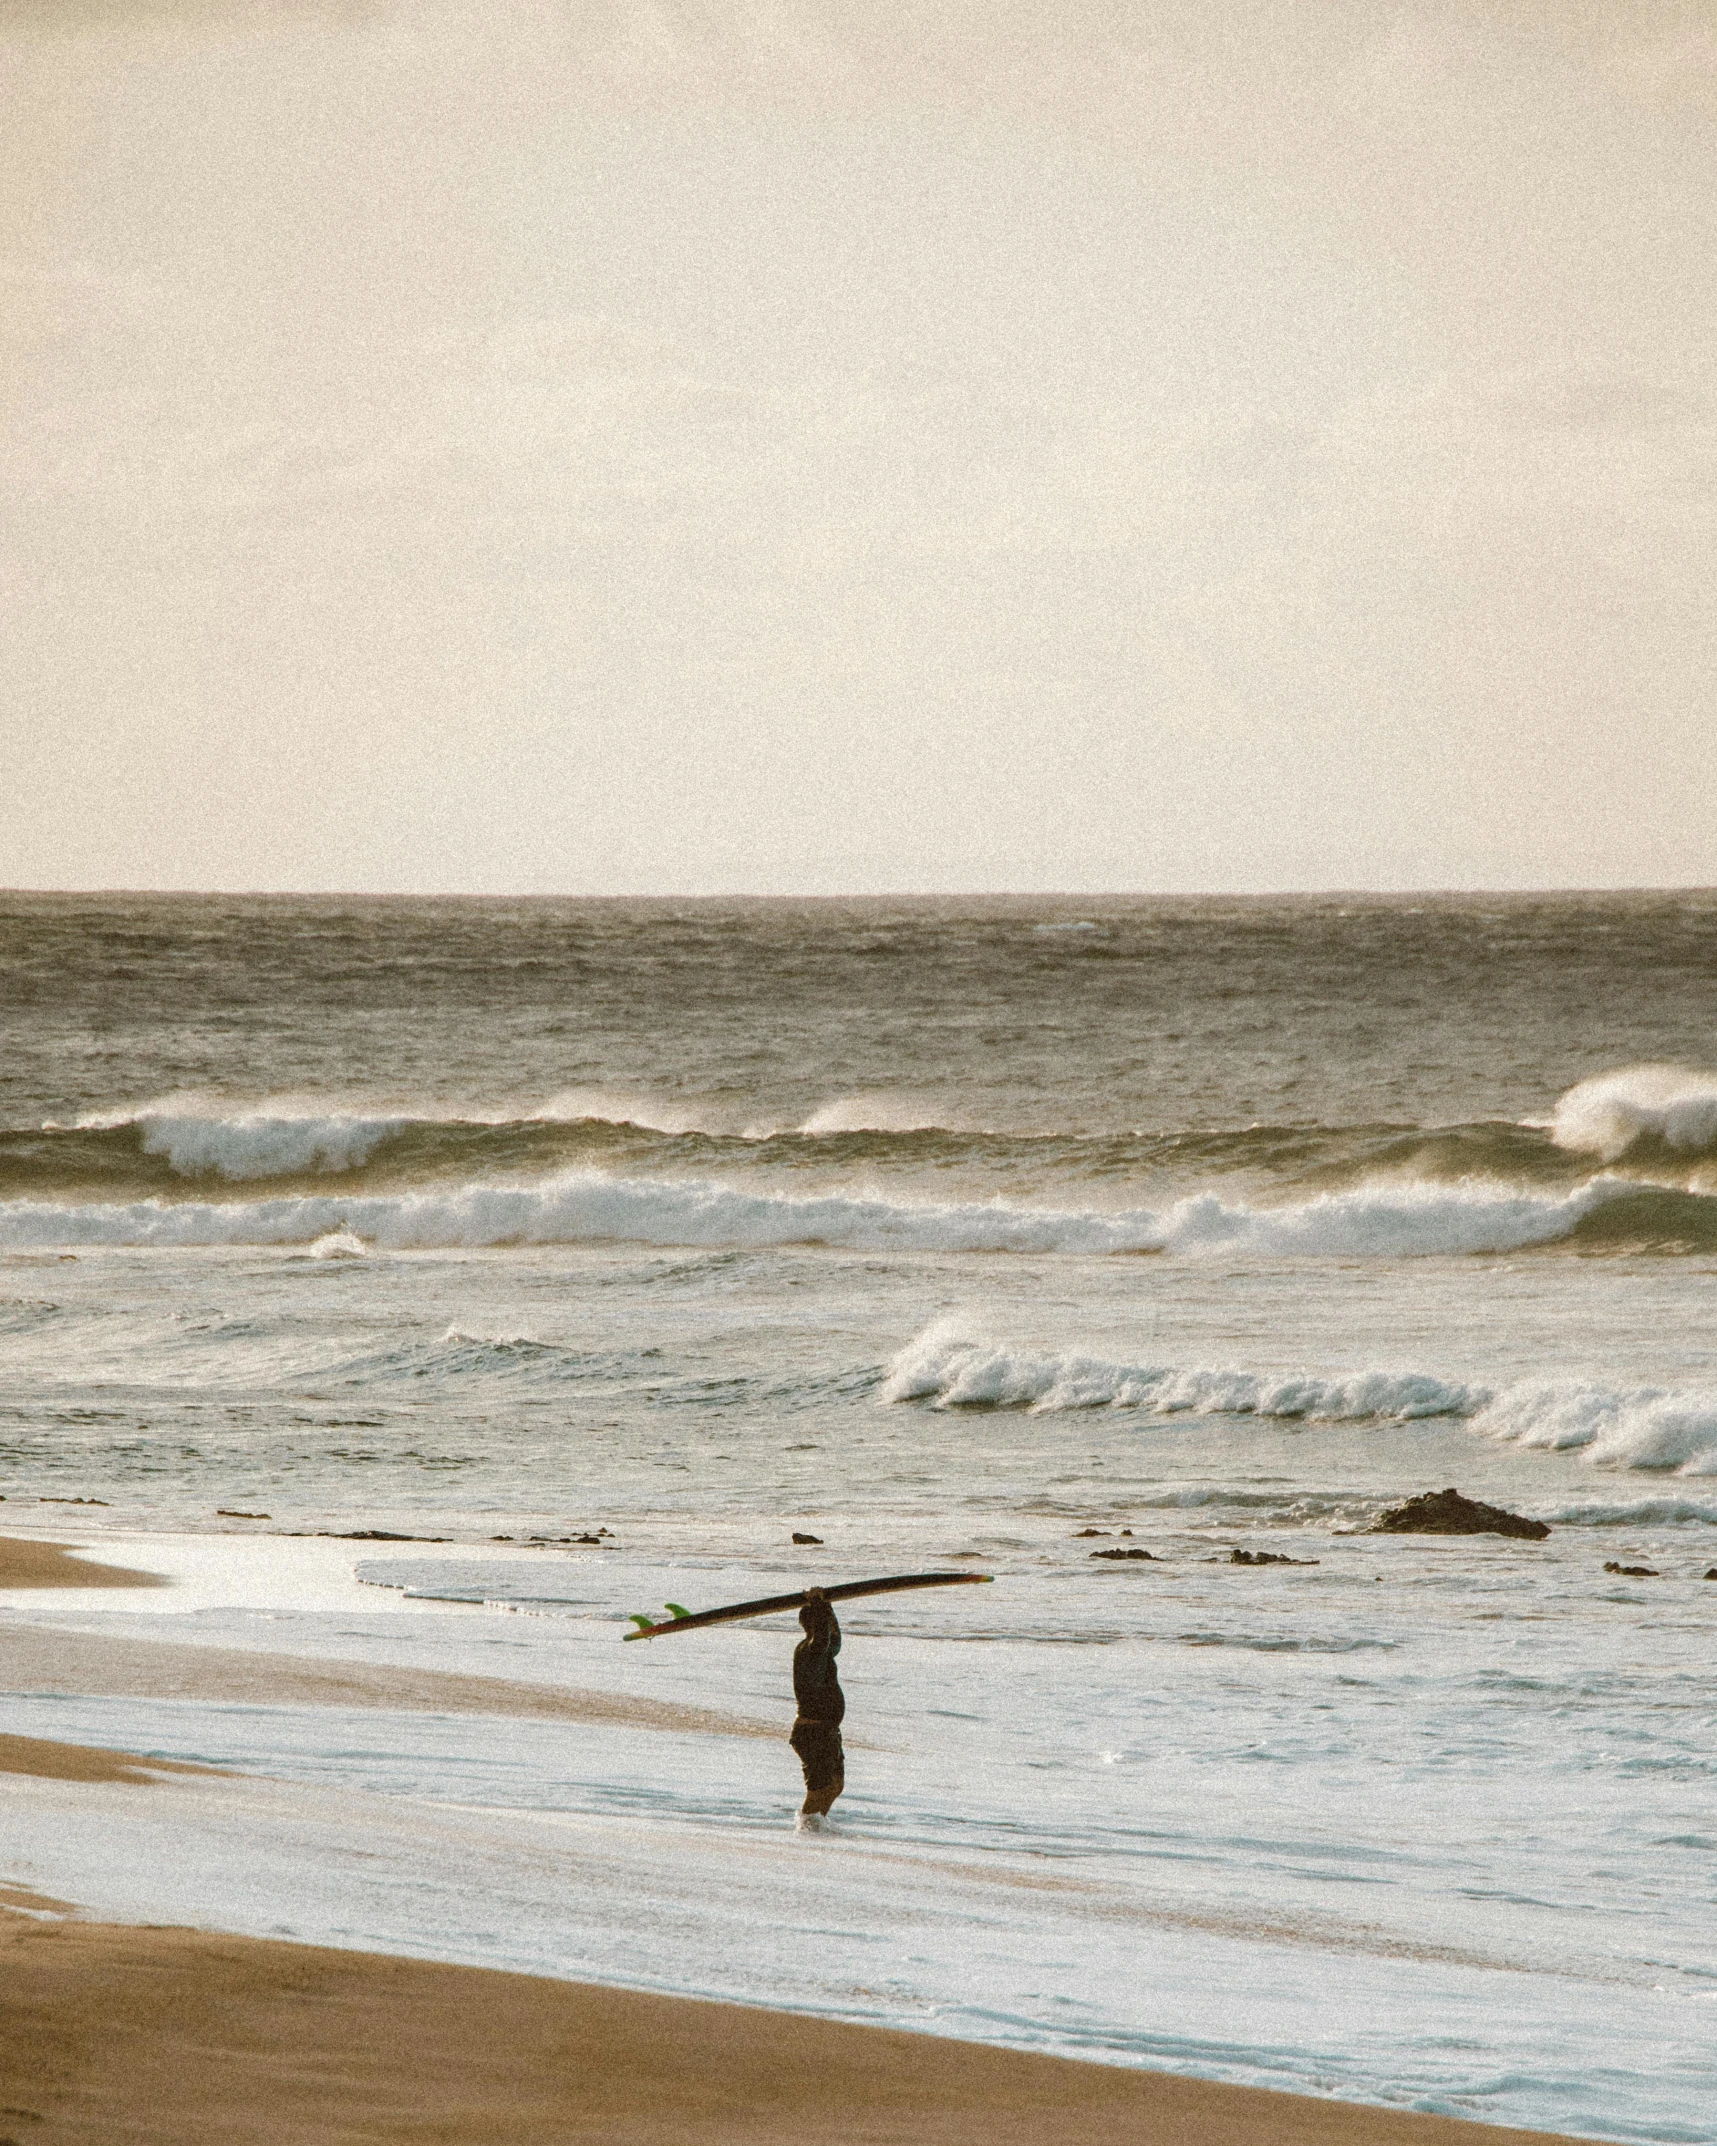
(155, 1151)
(1648, 1428)
(1639, 1108)
(1645, 1427)
(1662, 1119)
(950, 1370)
(257, 1145)
(580, 1206)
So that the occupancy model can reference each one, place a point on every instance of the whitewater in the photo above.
(946, 1233)
(591, 1206)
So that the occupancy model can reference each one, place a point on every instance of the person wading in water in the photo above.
(816, 1735)
(820, 1703)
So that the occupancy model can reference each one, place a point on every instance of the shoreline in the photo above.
(164, 2036)
(47, 1658)
(42, 1758)
(31, 1561)
(525, 1854)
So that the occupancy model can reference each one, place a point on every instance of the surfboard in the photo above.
(847, 1591)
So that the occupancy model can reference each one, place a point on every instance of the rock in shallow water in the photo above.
(1446, 1512)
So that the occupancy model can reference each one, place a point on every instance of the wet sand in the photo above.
(34, 1658)
(114, 2036)
(48, 1761)
(169, 2037)
(51, 1564)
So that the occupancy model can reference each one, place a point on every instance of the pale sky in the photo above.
(783, 446)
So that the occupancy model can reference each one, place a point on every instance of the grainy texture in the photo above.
(49, 1761)
(51, 1564)
(150, 2037)
(35, 1659)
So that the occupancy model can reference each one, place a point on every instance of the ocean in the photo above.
(947, 1231)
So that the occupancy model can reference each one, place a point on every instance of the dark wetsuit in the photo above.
(821, 1704)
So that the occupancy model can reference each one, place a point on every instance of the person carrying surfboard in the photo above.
(822, 1706)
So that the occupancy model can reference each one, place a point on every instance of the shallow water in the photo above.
(943, 1231)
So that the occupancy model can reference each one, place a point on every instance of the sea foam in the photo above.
(1649, 1428)
(259, 1143)
(1641, 1427)
(579, 1206)
(950, 1370)
(1674, 1106)
(200, 1138)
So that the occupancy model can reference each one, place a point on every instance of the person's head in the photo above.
(816, 1614)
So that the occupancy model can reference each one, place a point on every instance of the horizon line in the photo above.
(871, 894)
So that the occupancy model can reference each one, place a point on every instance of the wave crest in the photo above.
(584, 1206)
(1644, 1428)
(951, 1370)
(1660, 1106)
(260, 1145)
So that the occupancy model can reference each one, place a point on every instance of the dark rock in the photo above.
(1635, 1572)
(797, 1537)
(71, 1501)
(1267, 1557)
(1079, 1534)
(1712, 1574)
(1116, 1555)
(232, 1512)
(373, 1535)
(1446, 1512)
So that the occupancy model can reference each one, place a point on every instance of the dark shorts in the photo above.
(818, 1744)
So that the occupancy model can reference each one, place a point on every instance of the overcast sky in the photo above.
(554, 446)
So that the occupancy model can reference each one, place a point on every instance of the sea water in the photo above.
(944, 1231)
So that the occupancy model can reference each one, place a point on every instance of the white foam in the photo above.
(875, 1114)
(204, 1140)
(1605, 1116)
(579, 1206)
(1390, 1221)
(1646, 1427)
(284, 1136)
(951, 1370)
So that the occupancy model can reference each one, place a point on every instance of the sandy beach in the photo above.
(27, 1563)
(156, 2037)
(122, 2033)
(803, 800)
